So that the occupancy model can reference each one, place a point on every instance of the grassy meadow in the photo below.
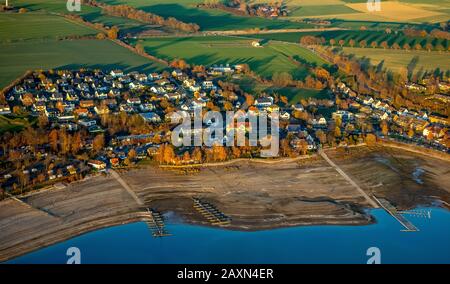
(18, 57)
(15, 27)
(29, 42)
(91, 14)
(266, 60)
(293, 94)
(8, 124)
(399, 59)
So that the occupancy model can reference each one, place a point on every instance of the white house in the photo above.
(116, 73)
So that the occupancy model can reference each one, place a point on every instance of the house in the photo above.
(298, 107)
(177, 73)
(116, 73)
(435, 132)
(218, 70)
(252, 110)
(136, 85)
(126, 108)
(239, 126)
(402, 111)
(415, 87)
(114, 93)
(125, 79)
(173, 96)
(439, 119)
(322, 121)
(423, 115)
(134, 101)
(151, 117)
(117, 85)
(368, 101)
(273, 108)
(81, 112)
(110, 102)
(146, 107)
(100, 95)
(86, 103)
(285, 115)
(101, 110)
(71, 97)
(198, 104)
(115, 162)
(95, 129)
(4, 109)
(207, 84)
(377, 104)
(162, 82)
(141, 78)
(153, 150)
(263, 101)
(154, 76)
(87, 123)
(189, 82)
(444, 86)
(343, 115)
(294, 128)
(71, 169)
(384, 116)
(256, 43)
(96, 164)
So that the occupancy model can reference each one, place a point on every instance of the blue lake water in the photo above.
(133, 243)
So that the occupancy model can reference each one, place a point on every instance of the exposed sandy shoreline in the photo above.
(256, 196)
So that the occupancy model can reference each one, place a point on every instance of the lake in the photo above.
(133, 243)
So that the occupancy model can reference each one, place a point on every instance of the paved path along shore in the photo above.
(126, 186)
(346, 177)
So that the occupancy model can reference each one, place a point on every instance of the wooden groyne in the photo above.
(211, 213)
(156, 223)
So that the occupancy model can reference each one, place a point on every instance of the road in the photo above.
(351, 181)
(274, 31)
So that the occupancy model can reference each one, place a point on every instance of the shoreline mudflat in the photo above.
(257, 196)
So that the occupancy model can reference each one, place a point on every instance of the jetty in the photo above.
(156, 223)
(211, 213)
(392, 210)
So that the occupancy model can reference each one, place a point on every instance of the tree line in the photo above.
(129, 12)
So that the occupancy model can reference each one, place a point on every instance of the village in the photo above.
(410, 126)
(89, 121)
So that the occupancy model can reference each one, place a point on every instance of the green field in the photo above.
(13, 124)
(294, 95)
(16, 58)
(28, 42)
(320, 10)
(398, 59)
(30, 26)
(266, 60)
(91, 14)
